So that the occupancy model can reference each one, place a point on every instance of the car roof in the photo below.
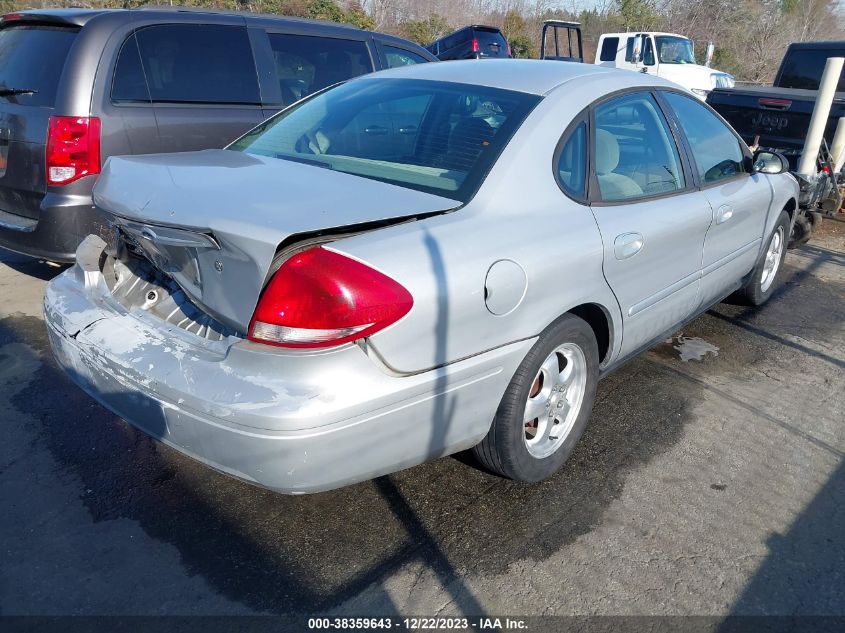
(819, 44)
(80, 17)
(533, 76)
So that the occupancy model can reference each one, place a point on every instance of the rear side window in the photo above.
(397, 57)
(804, 68)
(608, 49)
(32, 59)
(572, 164)
(306, 64)
(634, 154)
(187, 63)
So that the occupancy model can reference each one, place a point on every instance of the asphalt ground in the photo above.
(713, 485)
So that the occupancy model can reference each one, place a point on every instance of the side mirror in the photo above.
(769, 163)
(637, 53)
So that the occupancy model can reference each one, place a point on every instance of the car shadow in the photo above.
(281, 554)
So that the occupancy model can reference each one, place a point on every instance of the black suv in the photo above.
(78, 86)
(471, 42)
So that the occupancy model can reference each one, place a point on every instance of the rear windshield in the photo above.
(804, 68)
(432, 136)
(32, 59)
(491, 43)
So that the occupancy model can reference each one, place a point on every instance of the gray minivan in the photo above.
(80, 85)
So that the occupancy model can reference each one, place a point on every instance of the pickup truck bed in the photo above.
(780, 116)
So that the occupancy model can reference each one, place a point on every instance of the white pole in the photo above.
(837, 149)
(824, 99)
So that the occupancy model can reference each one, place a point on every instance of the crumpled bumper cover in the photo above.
(292, 421)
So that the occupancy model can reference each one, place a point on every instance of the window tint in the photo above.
(648, 54)
(609, 46)
(629, 48)
(572, 164)
(197, 63)
(306, 64)
(635, 153)
(804, 68)
(715, 149)
(491, 43)
(439, 137)
(400, 57)
(32, 58)
(129, 83)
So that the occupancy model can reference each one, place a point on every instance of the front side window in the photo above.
(609, 46)
(398, 57)
(629, 48)
(306, 64)
(572, 163)
(634, 153)
(431, 136)
(648, 54)
(716, 151)
(674, 50)
(191, 63)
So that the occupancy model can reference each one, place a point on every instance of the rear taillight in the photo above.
(73, 148)
(510, 54)
(475, 47)
(320, 298)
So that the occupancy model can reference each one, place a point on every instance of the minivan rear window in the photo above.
(187, 63)
(431, 136)
(32, 59)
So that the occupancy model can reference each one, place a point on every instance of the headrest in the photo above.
(607, 151)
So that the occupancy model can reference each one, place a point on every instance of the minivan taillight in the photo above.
(320, 298)
(475, 47)
(73, 148)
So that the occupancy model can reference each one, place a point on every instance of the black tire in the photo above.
(802, 230)
(753, 293)
(504, 449)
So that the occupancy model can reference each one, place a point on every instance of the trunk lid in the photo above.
(214, 220)
(33, 55)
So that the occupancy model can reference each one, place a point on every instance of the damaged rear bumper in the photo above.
(292, 421)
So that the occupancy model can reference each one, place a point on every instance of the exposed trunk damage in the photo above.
(220, 241)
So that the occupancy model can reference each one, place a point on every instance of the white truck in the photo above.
(663, 54)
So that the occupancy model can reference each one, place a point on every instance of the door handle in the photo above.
(627, 245)
(375, 130)
(725, 213)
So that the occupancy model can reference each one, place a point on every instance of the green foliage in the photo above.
(523, 47)
(424, 31)
(516, 33)
(638, 14)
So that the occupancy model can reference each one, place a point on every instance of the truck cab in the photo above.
(665, 55)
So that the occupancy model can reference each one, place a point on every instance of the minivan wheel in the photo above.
(546, 406)
(762, 282)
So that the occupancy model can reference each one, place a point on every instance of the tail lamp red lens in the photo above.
(73, 148)
(475, 47)
(320, 298)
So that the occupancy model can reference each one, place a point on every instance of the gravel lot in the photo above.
(711, 486)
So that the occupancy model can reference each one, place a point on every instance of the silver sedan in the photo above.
(416, 262)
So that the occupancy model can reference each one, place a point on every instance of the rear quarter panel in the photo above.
(520, 214)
